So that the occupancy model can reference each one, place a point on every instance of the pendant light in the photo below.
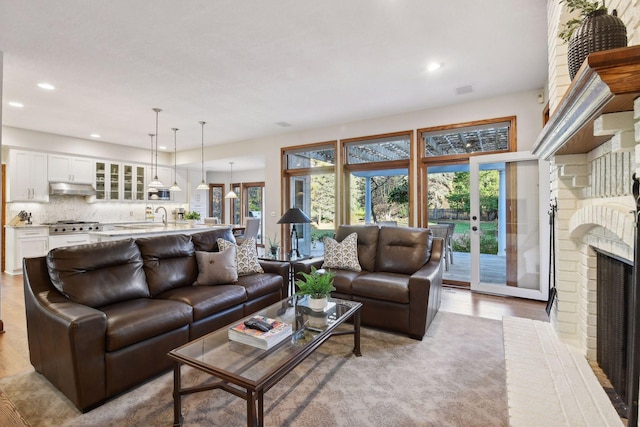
(203, 185)
(231, 194)
(155, 182)
(175, 186)
(152, 189)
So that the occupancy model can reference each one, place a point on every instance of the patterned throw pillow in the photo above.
(343, 255)
(246, 256)
(217, 268)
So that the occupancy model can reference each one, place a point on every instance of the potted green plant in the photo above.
(317, 285)
(192, 217)
(274, 244)
(592, 31)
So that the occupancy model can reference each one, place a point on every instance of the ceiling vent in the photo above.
(464, 89)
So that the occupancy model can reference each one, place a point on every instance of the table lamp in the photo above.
(294, 216)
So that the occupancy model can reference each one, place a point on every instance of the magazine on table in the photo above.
(261, 339)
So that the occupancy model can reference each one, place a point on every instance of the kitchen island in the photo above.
(126, 231)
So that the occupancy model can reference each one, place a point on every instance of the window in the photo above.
(378, 178)
(311, 187)
(490, 136)
(216, 198)
(253, 205)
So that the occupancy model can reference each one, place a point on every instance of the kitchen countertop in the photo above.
(150, 229)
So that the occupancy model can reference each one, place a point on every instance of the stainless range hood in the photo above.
(71, 189)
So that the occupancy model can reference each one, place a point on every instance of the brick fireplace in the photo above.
(591, 141)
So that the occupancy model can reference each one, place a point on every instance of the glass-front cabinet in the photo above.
(108, 181)
(133, 183)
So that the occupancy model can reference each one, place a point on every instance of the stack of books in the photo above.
(256, 338)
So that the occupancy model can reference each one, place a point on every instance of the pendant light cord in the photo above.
(202, 151)
(157, 110)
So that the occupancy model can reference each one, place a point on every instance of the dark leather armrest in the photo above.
(425, 286)
(66, 339)
(280, 268)
(305, 265)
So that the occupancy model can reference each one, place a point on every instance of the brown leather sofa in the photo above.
(401, 278)
(125, 305)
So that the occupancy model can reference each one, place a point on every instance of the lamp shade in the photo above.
(294, 216)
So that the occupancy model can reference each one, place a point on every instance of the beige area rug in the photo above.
(454, 377)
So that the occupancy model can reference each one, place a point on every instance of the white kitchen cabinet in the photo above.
(133, 183)
(108, 180)
(198, 199)
(24, 242)
(28, 177)
(62, 240)
(70, 169)
(183, 183)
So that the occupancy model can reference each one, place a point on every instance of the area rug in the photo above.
(454, 377)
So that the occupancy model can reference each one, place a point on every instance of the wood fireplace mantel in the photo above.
(607, 82)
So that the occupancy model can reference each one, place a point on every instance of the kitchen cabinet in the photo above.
(108, 181)
(198, 199)
(133, 182)
(28, 177)
(70, 169)
(183, 183)
(63, 240)
(24, 242)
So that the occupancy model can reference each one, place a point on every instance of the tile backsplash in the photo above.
(76, 208)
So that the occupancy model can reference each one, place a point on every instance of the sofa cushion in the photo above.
(136, 320)
(257, 285)
(382, 286)
(208, 240)
(98, 274)
(169, 262)
(367, 243)
(207, 300)
(217, 268)
(403, 250)
(246, 256)
(343, 279)
(343, 255)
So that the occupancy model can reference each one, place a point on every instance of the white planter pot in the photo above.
(317, 304)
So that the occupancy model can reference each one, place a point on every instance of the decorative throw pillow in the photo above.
(246, 256)
(343, 255)
(217, 268)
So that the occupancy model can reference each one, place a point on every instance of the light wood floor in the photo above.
(14, 351)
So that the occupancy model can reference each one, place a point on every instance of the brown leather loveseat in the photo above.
(401, 278)
(125, 305)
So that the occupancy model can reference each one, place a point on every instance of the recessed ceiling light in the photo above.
(433, 66)
(47, 86)
(95, 135)
(162, 147)
(16, 104)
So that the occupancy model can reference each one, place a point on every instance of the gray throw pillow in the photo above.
(217, 268)
(246, 256)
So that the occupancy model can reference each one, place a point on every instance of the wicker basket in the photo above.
(599, 31)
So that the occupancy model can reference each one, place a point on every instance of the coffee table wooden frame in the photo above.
(253, 391)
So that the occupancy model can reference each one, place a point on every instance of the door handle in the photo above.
(474, 228)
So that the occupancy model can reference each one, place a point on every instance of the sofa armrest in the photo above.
(280, 268)
(305, 265)
(425, 288)
(66, 339)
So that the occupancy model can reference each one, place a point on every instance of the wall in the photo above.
(524, 105)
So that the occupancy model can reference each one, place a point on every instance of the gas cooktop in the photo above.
(73, 226)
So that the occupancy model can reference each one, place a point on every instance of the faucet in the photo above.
(164, 216)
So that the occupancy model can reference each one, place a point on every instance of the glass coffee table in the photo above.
(249, 372)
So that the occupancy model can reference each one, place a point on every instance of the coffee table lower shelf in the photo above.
(252, 390)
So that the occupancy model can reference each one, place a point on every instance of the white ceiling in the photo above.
(244, 66)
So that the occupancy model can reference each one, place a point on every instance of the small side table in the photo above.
(290, 260)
